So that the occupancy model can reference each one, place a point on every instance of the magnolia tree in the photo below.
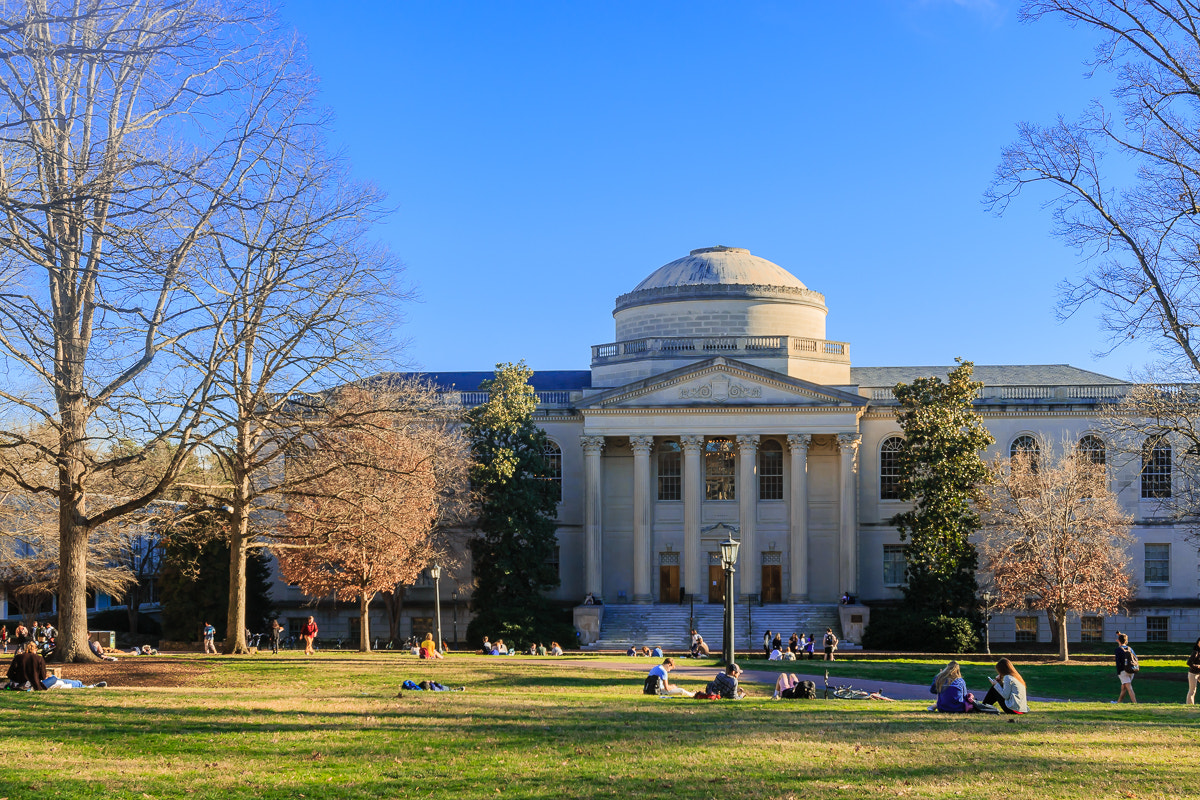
(1056, 538)
(368, 505)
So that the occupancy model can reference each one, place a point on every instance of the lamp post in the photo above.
(729, 554)
(435, 572)
(454, 598)
(988, 598)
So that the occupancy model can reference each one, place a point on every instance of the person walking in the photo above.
(309, 634)
(210, 634)
(831, 643)
(4, 638)
(767, 643)
(276, 634)
(1193, 665)
(1127, 667)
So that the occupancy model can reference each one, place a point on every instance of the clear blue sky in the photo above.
(544, 158)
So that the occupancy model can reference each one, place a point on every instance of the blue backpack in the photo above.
(411, 686)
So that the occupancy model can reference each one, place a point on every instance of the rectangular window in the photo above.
(295, 625)
(770, 471)
(422, 626)
(1091, 629)
(1158, 563)
(719, 470)
(670, 483)
(1158, 629)
(1027, 629)
(893, 565)
(355, 631)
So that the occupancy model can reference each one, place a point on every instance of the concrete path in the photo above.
(694, 676)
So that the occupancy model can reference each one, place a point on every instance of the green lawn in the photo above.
(332, 727)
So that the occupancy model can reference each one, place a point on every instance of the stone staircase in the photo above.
(667, 626)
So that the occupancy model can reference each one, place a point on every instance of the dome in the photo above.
(720, 265)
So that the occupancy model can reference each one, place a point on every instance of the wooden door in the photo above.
(772, 583)
(668, 583)
(716, 584)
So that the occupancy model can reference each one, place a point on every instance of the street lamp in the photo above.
(988, 598)
(729, 554)
(454, 598)
(435, 572)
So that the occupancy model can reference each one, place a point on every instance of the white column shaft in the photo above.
(642, 509)
(593, 549)
(747, 492)
(692, 580)
(848, 541)
(798, 518)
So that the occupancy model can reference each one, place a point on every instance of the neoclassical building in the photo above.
(721, 406)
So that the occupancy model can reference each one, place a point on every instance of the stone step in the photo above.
(669, 626)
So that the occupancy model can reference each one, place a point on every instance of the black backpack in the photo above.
(804, 690)
(652, 685)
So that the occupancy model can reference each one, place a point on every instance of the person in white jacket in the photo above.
(1008, 689)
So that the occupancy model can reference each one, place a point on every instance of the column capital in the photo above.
(849, 441)
(691, 443)
(799, 441)
(747, 441)
(592, 444)
(641, 444)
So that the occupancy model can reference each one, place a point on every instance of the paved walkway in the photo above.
(688, 675)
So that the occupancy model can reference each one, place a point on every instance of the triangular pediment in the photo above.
(722, 382)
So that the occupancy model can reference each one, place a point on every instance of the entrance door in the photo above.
(716, 584)
(772, 583)
(668, 583)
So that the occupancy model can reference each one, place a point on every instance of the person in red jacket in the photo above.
(308, 633)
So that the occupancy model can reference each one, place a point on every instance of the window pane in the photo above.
(670, 483)
(553, 458)
(719, 468)
(889, 468)
(893, 564)
(770, 471)
(1026, 447)
(1027, 629)
(1092, 448)
(1158, 563)
(1156, 468)
(1158, 629)
(1091, 629)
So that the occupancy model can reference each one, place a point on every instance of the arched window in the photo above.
(770, 470)
(1156, 468)
(670, 483)
(552, 455)
(719, 469)
(1026, 447)
(1092, 448)
(889, 468)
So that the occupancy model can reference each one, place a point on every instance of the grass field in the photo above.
(332, 726)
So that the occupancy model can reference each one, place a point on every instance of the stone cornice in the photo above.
(672, 410)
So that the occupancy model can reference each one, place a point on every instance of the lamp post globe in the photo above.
(435, 572)
(729, 554)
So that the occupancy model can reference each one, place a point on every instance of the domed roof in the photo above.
(720, 265)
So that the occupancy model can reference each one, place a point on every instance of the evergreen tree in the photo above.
(941, 473)
(517, 502)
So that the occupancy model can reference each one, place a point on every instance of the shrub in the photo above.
(905, 631)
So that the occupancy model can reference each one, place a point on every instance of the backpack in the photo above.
(804, 690)
(653, 684)
(1132, 667)
(410, 685)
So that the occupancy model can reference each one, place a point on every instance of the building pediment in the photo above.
(721, 382)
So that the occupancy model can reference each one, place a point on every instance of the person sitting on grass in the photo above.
(665, 687)
(776, 655)
(98, 650)
(951, 691)
(1009, 691)
(632, 651)
(725, 685)
(28, 669)
(700, 647)
(428, 650)
(555, 649)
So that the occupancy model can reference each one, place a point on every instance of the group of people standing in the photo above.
(798, 645)
(21, 636)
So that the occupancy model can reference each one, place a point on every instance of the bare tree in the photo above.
(367, 517)
(126, 129)
(1056, 537)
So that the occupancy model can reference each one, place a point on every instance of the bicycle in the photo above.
(848, 692)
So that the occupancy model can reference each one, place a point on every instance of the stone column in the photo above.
(798, 517)
(693, 495)
(848, 544)
(642, 539)
(593, 504)
(747, 493)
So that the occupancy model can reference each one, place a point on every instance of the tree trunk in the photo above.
(364, 623)
(72, 645)
(1061, 630)
(235, 617)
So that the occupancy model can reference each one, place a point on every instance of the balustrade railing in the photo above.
(732, 345)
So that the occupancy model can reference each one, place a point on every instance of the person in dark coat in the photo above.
(28, 666)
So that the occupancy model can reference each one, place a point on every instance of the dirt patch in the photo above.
(137, 671)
